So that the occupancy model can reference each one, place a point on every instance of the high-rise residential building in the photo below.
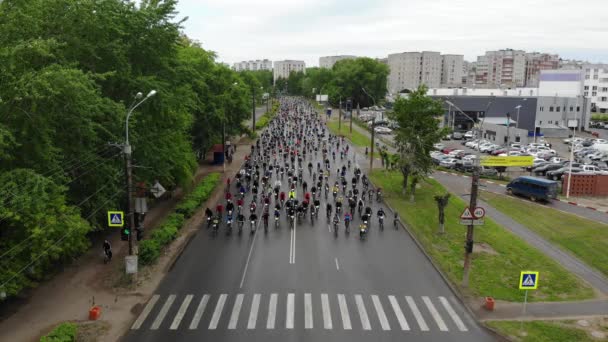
(258, 64)
(502, 68)
(595, 86)
(571, 64)
(329, 61)
(282, 69)
(409, 70)
(451, 70)
(535, 62)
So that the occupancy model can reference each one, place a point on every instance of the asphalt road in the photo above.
(304, 283)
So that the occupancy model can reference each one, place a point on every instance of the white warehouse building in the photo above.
(282, 69)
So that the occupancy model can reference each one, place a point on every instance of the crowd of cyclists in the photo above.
(296, 155)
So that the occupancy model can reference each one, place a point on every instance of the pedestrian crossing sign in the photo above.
(116, 219)
(528, 280)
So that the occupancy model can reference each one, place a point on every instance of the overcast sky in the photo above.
(308, 29)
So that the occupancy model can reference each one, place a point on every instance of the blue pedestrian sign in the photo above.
(116, 218)
(528, 280)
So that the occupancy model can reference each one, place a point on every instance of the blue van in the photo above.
(533, 188)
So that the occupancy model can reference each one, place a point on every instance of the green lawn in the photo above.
(356, 137)
(495, 275)
(584, 238)
(541, 331)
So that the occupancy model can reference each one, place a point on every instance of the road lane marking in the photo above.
(236, 310)
(253, 314)
(398, 313)
(181, 312)
(307, 311)
(435, 313)
(362, 313)
(327, 324)
(292, 244)
(344, 312)
(255, 235)
(329, 228)
(337, 265)
(272, 311)
(218, 312)
(163, 312)
(453, 314)
(380, 312)
(199, 312)
(146, 311)
(290, 311)
(417, 314)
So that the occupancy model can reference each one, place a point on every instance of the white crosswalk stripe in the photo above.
(215, 319)
(380, 311)
(199, 312)
(308, 311)
(144, 314)
(362, 313)
(155, 316)
(326, 311)
(253, 314)
(398, 313)
(453, 314)
(181, 312)
(344, 312)
(435, 313)
(236, 309)
(163, 312)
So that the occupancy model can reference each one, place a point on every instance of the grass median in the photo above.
(586, 239)
(542, 331)
(355, 137)
(499, 255)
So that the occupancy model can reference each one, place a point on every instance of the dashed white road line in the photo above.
(398, 313)
(421, 323)
(290, 311)
(199, 312)
(381, 314)
(218, 312)
(163, 312)
(255, 235)
(362, 313)
(344, 312)
(337, 265)
(272, 311)
(327, 324)
(181, 312)
(452, 314)
(435, 313)
(308, 311)
(144, 314)
(236, 310)
(253, 314)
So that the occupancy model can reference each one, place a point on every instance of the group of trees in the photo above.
(347, 79)
(69, 70)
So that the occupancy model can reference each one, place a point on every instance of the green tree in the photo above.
(350, 76)
(417, 116)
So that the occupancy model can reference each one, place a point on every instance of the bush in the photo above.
(198, 196)
(164, 234)
(64, 332)
(149, 251)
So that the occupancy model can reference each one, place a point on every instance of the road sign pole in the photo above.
(469, 241)
(521, 320)
(129, 179)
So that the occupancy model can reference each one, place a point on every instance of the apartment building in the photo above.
(502, 68)
(258, 64)
(595, 86)
(535, 62)
(409, 70)
(282, 69)
(329, 61)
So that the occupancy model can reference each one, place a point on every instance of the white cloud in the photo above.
(307, 29)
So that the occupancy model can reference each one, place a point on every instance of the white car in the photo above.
(383, 130)
(600, 141)
(469, 135)
(454, 153)
(448, 162)
(469, 157)
(556, 160)
(488, 148)
(438, 146)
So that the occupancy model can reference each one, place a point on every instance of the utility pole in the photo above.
(468, 248)
(371, 155)
(129, 185)
(351, 118)
(340, 116)
(252, 109)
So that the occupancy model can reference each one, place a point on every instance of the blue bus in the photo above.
(534, 188)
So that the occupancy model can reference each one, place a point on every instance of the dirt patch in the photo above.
(594, 326)
(92, 331)
(484, 248)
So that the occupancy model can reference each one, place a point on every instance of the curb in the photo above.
(581, 205)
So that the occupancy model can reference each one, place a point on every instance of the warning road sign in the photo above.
(466, 214)
(528, 280)
(116, 218)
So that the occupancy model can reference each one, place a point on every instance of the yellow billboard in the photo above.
(507, 161)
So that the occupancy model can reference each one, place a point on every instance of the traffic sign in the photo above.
(528, 280)
(479, 212)
(468, 222)
(116, 218)
(466, 214)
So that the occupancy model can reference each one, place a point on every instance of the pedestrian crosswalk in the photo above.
(300, 310)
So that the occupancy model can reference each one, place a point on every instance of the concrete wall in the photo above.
(498, 134)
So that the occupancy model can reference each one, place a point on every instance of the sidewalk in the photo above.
(540, 311)
(88, 281)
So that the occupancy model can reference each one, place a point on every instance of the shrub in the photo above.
(149, 251)
(64, 332)
(164, 234)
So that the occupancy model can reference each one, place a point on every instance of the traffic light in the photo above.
(124, 233)
(140, 233)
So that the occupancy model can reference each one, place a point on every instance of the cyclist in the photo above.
(107, 250)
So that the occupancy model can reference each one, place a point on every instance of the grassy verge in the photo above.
(64, 332)
(149, 249)
(495, 270)
(584, 238)
(542, 331)
(355, 137)
(265, 119)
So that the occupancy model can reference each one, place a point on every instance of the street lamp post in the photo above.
(128, 168)
(371, 156)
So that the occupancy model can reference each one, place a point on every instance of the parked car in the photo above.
(447, 150)
(469, 135)
(488, 171)
(437, 159)
(499, 151)
(543, 169)
(464, 165)
(457, 136)
(559, 173)
(448, 162)
(438, 146)
(533, 188)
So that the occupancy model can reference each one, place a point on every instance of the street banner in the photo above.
(507, 161)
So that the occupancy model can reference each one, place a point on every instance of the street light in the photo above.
(128, 171)
(371, 155)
